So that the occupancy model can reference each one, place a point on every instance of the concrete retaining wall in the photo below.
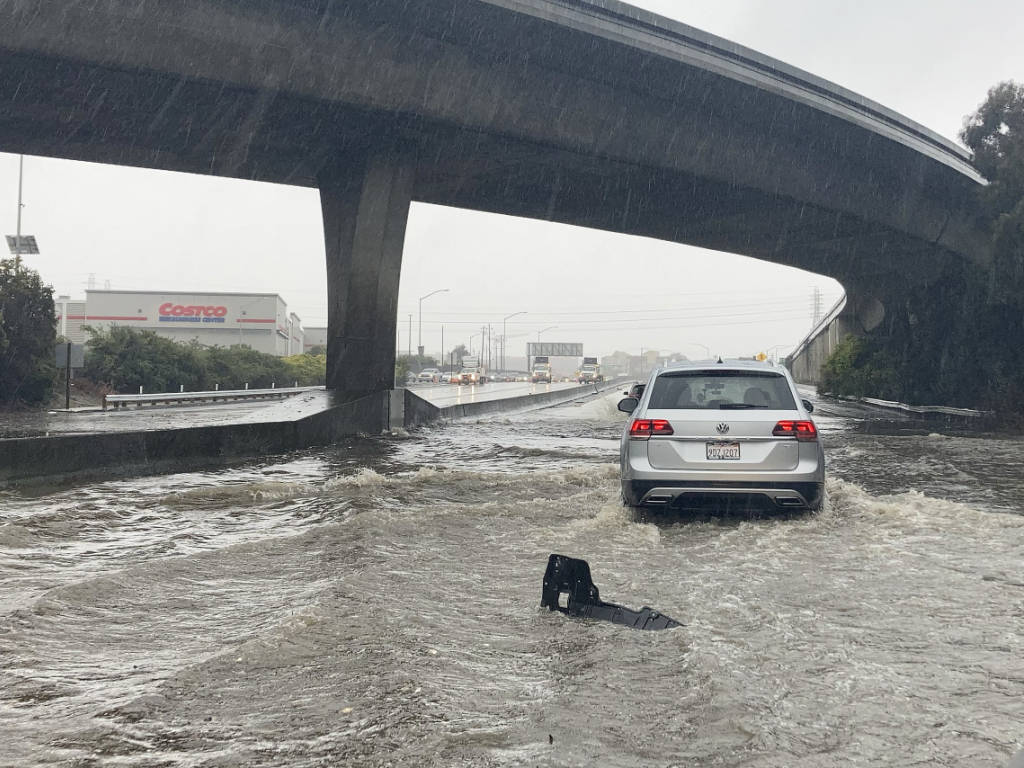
(846, 318)
(419, 411)
(311, 420)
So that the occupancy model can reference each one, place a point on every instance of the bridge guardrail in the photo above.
(222, 395)
(831, 315)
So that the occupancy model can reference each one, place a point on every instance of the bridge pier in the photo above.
(365, 202)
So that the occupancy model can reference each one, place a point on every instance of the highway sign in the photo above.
(553, 349)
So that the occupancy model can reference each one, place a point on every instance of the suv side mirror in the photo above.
(808, 405)
(628, 404)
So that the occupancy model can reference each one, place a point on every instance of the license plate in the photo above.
(723, 451)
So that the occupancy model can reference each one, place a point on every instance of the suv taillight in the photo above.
(801, 430)
(642, 429)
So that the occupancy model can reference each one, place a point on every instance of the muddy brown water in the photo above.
(377, 604)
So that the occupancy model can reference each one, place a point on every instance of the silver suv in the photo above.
(731, 434)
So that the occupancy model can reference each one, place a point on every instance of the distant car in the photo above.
(732, 434)
(429, 376)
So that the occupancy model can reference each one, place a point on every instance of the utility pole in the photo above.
(409, 348)
(817, 306)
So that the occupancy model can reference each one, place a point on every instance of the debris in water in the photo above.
(571, 577)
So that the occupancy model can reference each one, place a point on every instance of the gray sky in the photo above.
(932, 61)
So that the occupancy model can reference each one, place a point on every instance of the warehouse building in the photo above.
(314, 336)
(257, 320)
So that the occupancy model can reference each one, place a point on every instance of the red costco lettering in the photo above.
(192, 310)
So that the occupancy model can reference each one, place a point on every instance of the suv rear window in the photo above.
(711, 389)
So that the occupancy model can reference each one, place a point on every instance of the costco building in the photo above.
(257, 320)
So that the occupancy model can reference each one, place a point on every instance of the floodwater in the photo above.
(129, 419)
(377, 604)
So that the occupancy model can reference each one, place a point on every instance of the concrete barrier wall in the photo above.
(318, 421)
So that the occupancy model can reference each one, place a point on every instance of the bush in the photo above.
(27, 336)
(308, 370)
(234, 367)
(855, 369)
(126, 359)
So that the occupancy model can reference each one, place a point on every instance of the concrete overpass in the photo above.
(587, 112)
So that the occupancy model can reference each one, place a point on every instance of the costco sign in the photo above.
(191, 313)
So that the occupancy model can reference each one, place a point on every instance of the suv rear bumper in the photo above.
(697, 493)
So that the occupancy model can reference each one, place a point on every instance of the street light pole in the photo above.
(504, 335)
(542, 330)
(420, 342)
(17, 236)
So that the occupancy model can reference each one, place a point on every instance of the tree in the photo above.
(457, 354)
(995, 135)
(27, 335)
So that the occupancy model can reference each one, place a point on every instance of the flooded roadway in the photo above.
(174, 416)
(377, 604)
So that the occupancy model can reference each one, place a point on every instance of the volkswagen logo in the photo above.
(722, 428)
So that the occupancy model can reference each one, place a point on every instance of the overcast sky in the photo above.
(932, 61)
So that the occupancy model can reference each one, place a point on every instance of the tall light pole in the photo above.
(542, 330)
(419, 344)
(504, 335)
(18, 243)
(17, 236)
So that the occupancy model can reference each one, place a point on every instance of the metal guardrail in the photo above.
(222, 395)
(923, 410)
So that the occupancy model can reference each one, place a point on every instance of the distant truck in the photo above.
(472, 372)
(541, 370)
(590, 372)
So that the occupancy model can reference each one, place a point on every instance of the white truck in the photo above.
(473, 371)
(590, 372)
(541, 370)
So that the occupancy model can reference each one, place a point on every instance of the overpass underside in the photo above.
(516, 107)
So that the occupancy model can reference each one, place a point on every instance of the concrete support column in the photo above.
(365, 203)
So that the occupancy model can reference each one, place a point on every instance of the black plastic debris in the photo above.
(570, 577)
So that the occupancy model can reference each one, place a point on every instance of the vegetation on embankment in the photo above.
(960, 339)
